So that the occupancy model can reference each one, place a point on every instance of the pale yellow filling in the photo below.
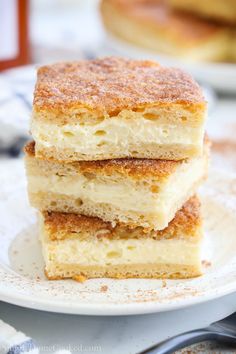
(129, 251)
(115, 134)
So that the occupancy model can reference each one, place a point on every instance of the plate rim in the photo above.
(113, 309)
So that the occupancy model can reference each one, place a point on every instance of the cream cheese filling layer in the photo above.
(114, 133)
(125, 194)
(129, 251)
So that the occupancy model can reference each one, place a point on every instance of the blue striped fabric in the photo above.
(15, 342)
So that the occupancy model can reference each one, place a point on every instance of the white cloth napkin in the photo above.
(15, 342)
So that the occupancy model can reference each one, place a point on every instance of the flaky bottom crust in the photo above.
(122, 271)
(150, 151)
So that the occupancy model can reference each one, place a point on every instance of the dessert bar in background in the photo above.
(186, 29)
(219, 10)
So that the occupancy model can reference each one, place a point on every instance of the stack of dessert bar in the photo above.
(198, 30)
(118, 154)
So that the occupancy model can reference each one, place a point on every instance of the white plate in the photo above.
(221, 76)
(22, 281)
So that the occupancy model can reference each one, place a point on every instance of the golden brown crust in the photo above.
(56, 222)
(135, 168)
(29, 148)
(158, 14)
(183, 225)
(110, 85)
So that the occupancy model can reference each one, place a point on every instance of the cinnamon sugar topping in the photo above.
(111, 84)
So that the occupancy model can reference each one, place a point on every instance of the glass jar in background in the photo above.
(14, 33)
